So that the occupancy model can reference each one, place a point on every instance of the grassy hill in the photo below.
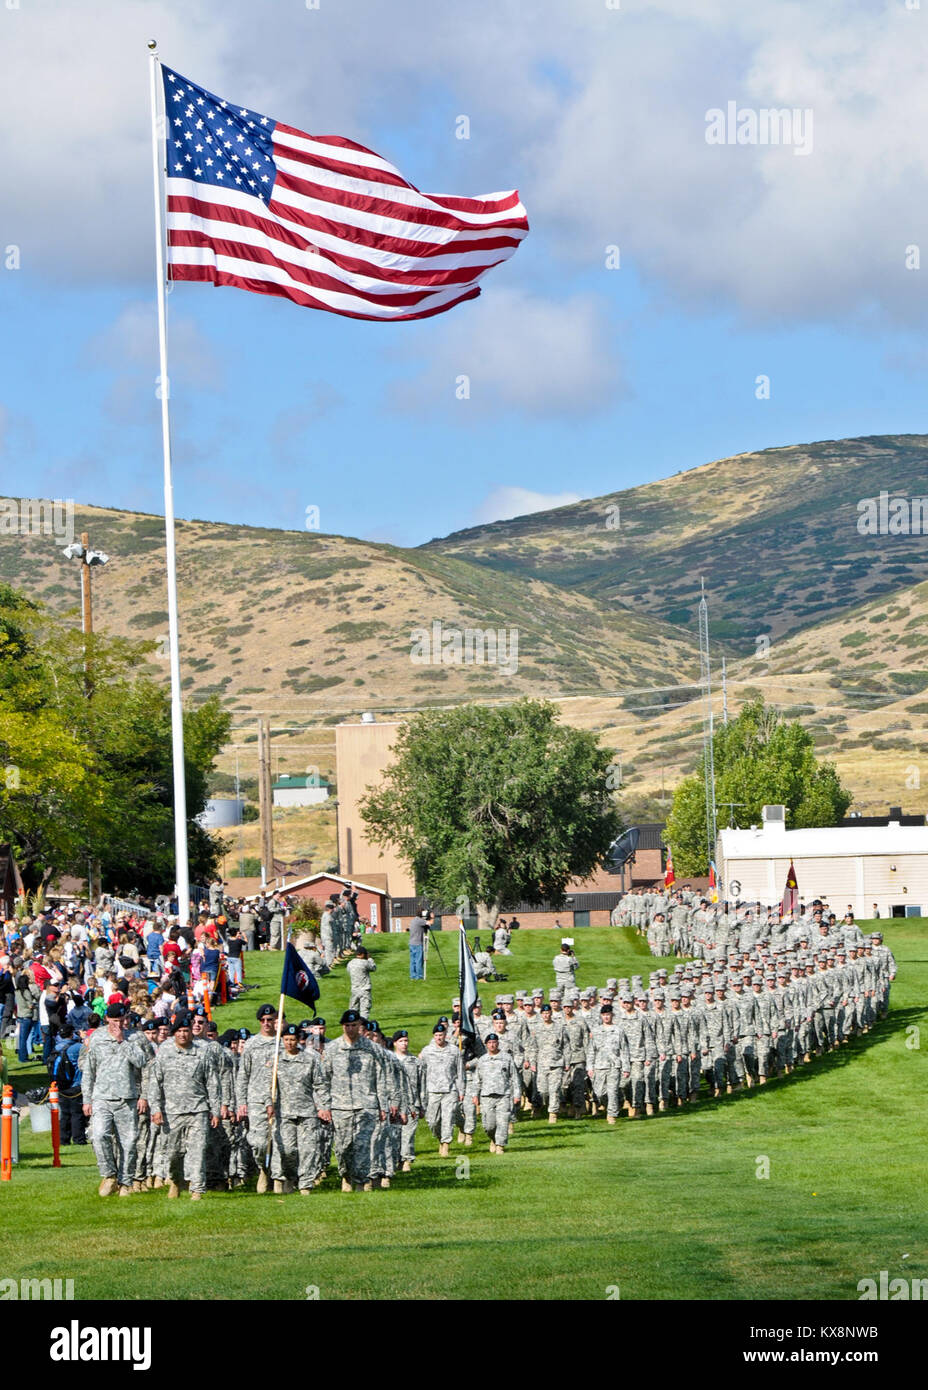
(773, 533)
(311, 629)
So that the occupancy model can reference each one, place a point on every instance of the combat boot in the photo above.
(633, 1114)
(443, 1150)
(138, 1186)
(552, 1119)
(407, 1166)
(384, 1182)
(126, 1190)
(662, 1105)
(280, 1187)
(367, 1186)
(346, 1185)
(173, 1190)
(107, 1187)
(649, 1108)
(158, 1182)
(468, 1140)
(196, 1196)
(262, 1181)
(610, 1119)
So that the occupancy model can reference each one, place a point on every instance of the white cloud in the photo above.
(519, 352)
(506, 502)
(598, 115)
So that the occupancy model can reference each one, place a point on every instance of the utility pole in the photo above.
(724, 695)
(265, 802)
(708, 729)
(262, 803)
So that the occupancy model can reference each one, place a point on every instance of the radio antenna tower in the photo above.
(708, 728)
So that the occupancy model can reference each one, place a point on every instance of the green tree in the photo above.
(760, 759)
(86, 774)
(495, 805)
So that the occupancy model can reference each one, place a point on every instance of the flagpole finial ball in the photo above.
(152, 44)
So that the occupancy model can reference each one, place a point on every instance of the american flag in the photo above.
(317, 218)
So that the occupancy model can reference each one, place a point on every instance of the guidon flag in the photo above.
(318, 219)
(669, 875)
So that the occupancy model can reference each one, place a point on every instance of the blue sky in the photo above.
(735, 261)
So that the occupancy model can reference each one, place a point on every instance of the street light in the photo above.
(90, 559)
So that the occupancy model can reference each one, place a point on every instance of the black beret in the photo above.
(290, 1031)
(350, 1016)
(266, 1011)
(115, 1010)
(439, 1028)
(400, 1033)
(182, 1020)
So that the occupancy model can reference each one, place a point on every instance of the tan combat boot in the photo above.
(262, 1181)
(306, 1191)
(407, 1166)
(367, 1186)
(384, 1182)
(279, 1187)
(552, 1119)
(633, 1114)
(443, 1150)
(125, 1190)
(107, 1187)
(173, 1190)
(610, 1119)
(138, 1186)
(662, 1105)
(346, 1185)
(158, 1182)
(196, 1196)
(468, 1140)
(649, 1108)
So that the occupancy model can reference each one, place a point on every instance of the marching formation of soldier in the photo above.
(173, 1105)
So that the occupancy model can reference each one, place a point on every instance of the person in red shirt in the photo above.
(40, 974)
(171, 951)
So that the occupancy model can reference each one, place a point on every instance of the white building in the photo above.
(299, 791)
(856, 865)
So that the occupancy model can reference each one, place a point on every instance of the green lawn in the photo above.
(669, 1207)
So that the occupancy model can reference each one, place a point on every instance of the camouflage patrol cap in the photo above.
(507, 999)
(625, 997)
(521, 994)
(498, 999)
(659, 994)
(687, 991)
(538, 993)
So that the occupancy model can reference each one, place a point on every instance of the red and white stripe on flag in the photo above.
(318, 219)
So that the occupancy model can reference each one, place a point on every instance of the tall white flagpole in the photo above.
(177, 714)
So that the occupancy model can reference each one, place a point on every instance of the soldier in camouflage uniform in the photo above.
(576, 1037)
(144, 1153)
(605, 1057)
(444, 1086)
(218, 1146)
(359, 1098)
(547, 1059)
(184, 1097)
(302, 1101)
(255, 1076)
(498, 1088)
(416, 1096)
(359, 974)
(112, 1077)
